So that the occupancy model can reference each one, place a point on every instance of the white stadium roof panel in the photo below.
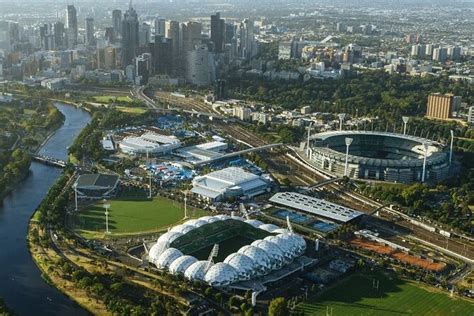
(315, 206)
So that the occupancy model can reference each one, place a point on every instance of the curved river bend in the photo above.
(21, 284)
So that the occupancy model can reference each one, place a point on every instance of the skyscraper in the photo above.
(161, 51)
(90, 37)
(47, 37)
(59, 35)
(117, 22)
(160, 26)
(71, 24)
(217, 32)
(440, 54)
(200, 69)
(129, 37)
(173, 32)
(191, 35)
(247, 45)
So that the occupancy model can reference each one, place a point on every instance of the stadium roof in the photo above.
(219, 182)
(97, 181)
(315, 206)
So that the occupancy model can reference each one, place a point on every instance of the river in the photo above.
(21, 284)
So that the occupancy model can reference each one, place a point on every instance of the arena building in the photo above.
(96, 186)
(229, 182)
(315, 206)
(153, 143)
(177, 251)
(379, 156)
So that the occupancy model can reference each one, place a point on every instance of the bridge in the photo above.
(49, 160)
(238, 153)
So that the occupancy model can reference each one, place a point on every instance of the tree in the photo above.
(278, 307)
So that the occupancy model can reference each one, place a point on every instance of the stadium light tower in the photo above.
(185, 204)
(309, 135)
(405, 122)
(348, 143)
(342, 116)
(423, 175)
(75, 197)
(451, 147)
(106, 206)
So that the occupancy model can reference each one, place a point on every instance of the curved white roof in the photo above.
(269, 227)
(254, 222)
(272, 249)
(222, 217)
(209, 219)
(285, 246)
(155, 252)
(259, 256)
(197, 270)
(244, 266)
(169, 237)
(221, 274)
(183, 229)
(181, 264)
(238, 218)
(280, 231)
(167, 257)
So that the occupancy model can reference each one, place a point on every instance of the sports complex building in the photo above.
(249, 254)
(153, 143)
(229, 182)
(378, 156)
(96, 186)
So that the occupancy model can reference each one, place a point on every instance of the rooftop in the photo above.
(315, 206)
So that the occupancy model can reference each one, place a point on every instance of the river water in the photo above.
(21, 284)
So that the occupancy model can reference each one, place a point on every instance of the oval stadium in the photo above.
(249, 252)
(379, 156)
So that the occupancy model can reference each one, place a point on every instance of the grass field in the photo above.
(226, 247)
(108, 98)
(130, 217)
(132, 110)
(357, 296)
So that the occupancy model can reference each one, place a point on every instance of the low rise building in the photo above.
(228, 183)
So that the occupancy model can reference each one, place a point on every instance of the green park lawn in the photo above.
(131, 217)
(132, 110)
(357, 296)
(108, 98)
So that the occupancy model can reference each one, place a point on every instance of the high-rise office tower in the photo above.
(129, 37)
(162, 58)
(144, 33)
(230, 31)
(71, 25)
(217, 32)
(107, 58)
(5, 40)
(160, 26)
(110, 34)
(191, 35)
(59, 35)
(90, 37)
(143, 68)
(200, 69)
(173, 32)
(247, 45)
(47, 37)
(117, 22)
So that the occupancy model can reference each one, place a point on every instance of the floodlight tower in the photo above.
(341, 116)
(423, 175)
(75, 197)
(309, 135)
(348, 143)
(106, 206)
(185, 204)
(451, 147)
(405, 122)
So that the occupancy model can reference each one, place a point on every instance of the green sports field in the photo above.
(357, 296)
(130, 217)
(111, 98)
